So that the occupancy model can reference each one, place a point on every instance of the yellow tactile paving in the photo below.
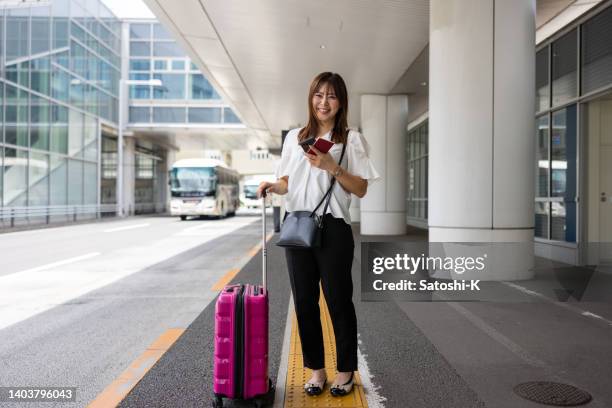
(297, 375)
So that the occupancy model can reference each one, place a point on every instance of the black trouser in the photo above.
(331, 264)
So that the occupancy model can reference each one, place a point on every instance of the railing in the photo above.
(46, 212)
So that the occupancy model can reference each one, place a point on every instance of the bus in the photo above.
(250, 184)
(201, 187)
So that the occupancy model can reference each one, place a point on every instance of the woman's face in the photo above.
(325, 104)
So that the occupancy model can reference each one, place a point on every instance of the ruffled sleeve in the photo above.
(284, 164)
(359, 163)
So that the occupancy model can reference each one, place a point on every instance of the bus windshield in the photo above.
(192, 181)
(250, 191)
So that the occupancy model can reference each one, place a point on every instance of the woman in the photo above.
(305, 178)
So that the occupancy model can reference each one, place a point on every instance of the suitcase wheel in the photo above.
(217, 402)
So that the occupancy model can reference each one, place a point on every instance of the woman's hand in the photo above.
(280, 187)
(323, 161)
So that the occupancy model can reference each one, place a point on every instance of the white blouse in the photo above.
(308, 184)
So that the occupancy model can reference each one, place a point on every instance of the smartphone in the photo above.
(306, 143)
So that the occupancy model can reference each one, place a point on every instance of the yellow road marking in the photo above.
(118, 389)
(229, 275)
(297, 375)
(225, 279)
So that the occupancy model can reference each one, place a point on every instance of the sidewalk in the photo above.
(411, 354)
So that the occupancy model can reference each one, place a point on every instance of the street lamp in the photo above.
(123, 102)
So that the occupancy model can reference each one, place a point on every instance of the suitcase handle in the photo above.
(264, 254)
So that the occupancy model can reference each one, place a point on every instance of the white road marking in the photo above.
(499, 337)
(54, 264)
(28, 293)
(128, 227)
(375, 400)
(589, 314)
(563, 305)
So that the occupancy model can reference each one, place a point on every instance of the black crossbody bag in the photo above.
(303, 229)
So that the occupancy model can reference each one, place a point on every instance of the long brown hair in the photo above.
(339, 132)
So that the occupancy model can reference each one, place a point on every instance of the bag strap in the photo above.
(329, 190)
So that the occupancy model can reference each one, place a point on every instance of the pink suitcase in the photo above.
(241, 341)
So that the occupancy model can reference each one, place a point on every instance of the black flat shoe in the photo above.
(314, 388)
(344, 389)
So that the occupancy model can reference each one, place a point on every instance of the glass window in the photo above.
(58, 185)
(160, 33)
(90, 174)
(193, 67)
(62, 58)
(178, 65)
(416, 172)
(140, 76)
(160, 65)
(61, 27)
(17, 33)
(60, 81)
(167, 49)
(597, 52)
(1, 165)
(140, 49)
(229, 116)
(563, 153)
(90, 139)
(145, 167)
(19, 73)
(61, 30)
(140, 31)
(172, 87)
(169, 115)
(107, 106)
(40, 69)
(75, 182)
(542, 157)
(140, 65)
(75, 134)
(39, 123)
(140, 92)
(78, 59)
(542, 88)
(39, 179)
(205, 115)
(109, 167)
(15, 177)
(40, 29)
(563, 221)
(200, 88)
(16, 116)
(140, 114)
(564, 72)
(541, 219)
(59, 129)
(77, 92)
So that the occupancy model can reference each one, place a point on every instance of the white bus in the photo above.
(250, 184)
(203, 187)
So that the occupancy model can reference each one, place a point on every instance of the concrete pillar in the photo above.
(384, 120)
(482, 127)
(129, 175)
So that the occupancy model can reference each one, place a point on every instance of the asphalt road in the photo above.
(82, 323)
(80, 311)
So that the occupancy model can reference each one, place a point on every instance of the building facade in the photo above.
(69, 72)
(573, 124)
(59, 77)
